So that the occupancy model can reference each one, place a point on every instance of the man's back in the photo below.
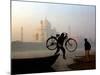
(61, 39)
(87, 45)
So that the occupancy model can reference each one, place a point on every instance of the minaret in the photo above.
(42, 33)
(44, 30)
(69, 30)
(21, 34)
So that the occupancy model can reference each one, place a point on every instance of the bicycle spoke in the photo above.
(71, 45)
(51, 43)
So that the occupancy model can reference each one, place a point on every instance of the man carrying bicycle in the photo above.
(60, 42)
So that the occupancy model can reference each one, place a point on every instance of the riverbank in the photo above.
(74, 60)
(82, 63)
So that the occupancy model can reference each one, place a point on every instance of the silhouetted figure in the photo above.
(60, 42)
(87, 46)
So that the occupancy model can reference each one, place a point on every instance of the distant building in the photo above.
(44, 32)
(21, 34)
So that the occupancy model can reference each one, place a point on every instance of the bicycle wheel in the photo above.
(51, 43)
(71, 45)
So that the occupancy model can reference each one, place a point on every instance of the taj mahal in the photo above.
(45, 31)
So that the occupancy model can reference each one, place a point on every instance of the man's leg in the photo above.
(63, 50)
(88, 52)
(58, 49)
(87, 55)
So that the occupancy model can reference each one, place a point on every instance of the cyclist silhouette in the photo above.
(60, 42)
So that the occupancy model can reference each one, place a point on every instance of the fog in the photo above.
(78, 19)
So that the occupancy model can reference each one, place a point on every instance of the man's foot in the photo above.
(64, 57)
(56, 53)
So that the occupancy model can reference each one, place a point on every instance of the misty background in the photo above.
(31, 19)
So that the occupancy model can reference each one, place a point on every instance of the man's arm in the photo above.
(65, 36)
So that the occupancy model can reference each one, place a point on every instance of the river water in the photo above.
(59, 65)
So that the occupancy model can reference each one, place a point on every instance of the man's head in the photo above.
(62, 34)
(85, 39)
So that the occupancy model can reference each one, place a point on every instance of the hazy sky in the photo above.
(80, 18)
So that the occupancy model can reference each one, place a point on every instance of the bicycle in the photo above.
(70, 44)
